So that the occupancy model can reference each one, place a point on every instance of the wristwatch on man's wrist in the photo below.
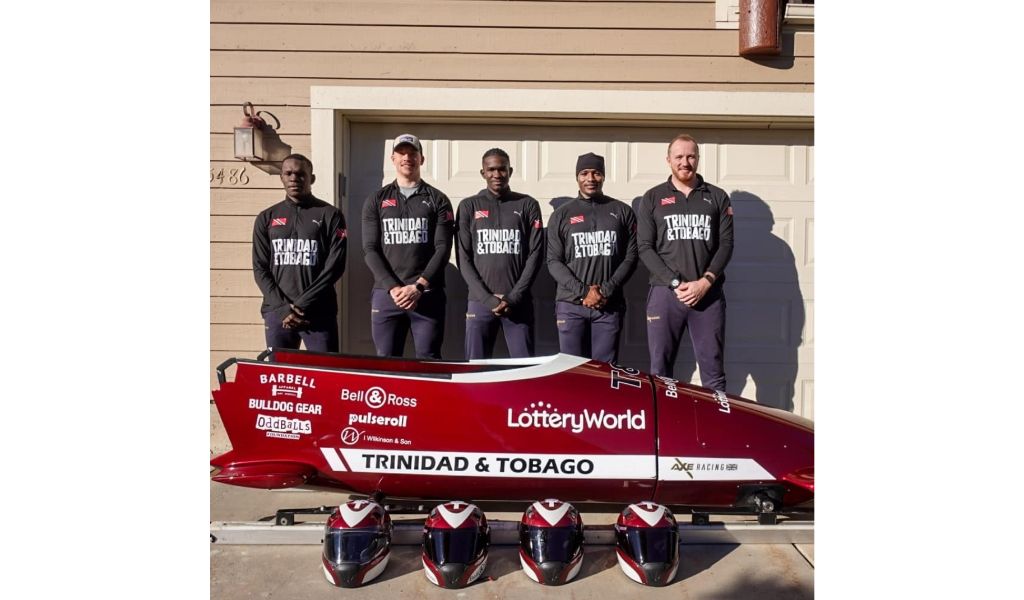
(420, 287)
(674, 283)
(710, 278)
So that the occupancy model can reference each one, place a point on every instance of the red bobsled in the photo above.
(510, 429)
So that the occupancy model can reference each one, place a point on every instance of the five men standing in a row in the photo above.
(682, 230)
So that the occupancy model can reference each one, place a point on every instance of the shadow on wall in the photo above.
(274, 149)
(765, 315)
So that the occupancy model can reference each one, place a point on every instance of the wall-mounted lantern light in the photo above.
(249, 135)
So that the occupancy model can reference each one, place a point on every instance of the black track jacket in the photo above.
(406, 238)
(592, 242)
(298, 253)
(500, 246)
(684, 236)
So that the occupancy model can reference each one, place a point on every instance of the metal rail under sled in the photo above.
(506, 533)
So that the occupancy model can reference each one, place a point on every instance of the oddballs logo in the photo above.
(377, 397)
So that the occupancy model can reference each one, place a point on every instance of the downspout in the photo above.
(760, 27)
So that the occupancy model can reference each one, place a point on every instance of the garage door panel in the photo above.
(744, 164)
(558, 159)
(808, 245)
(761, 322)
(769, 345)
(464, 161)
(647, 165)
(762, 240)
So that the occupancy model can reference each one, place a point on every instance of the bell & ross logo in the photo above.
(377, 397)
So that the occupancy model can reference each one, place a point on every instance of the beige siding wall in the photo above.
(271, 52)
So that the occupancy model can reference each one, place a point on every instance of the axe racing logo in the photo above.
(283, 427)
(377, 397)
(542, 415)
(689, 467)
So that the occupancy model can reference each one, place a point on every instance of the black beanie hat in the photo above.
(590, 161)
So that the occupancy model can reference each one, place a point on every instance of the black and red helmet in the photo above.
(647, 543)
(455, 542)
(551, 542)
(357, 543)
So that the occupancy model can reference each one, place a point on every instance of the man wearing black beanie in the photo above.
(591, 254)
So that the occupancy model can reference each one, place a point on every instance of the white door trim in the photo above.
(332, 106)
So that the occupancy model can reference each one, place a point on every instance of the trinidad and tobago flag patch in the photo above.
(668, 200)
(576, 219)
(481, 214)
(279, 221)
(341, 233)
(390, 202)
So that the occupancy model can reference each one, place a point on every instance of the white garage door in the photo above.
(768, 174)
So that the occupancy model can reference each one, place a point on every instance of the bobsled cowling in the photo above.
(508, 429)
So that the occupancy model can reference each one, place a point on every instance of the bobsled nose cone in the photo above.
(657, 574)
(551, 572)
(348, 574)
(452, 574)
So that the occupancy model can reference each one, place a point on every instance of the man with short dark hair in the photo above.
(591, 254)
(298, 253)
(407, 239)
(685, 240)
(500, 246)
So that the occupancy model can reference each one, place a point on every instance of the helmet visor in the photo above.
(353, 545)
(453, 545)
(550, 543)
(649, 544)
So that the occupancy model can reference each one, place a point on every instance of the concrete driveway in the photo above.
(764, 571)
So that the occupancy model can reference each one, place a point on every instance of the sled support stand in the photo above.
(286, 516)
(506, 533)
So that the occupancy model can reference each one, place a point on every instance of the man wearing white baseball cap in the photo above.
(408, 227)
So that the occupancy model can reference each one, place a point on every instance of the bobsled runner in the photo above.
(505, 430)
